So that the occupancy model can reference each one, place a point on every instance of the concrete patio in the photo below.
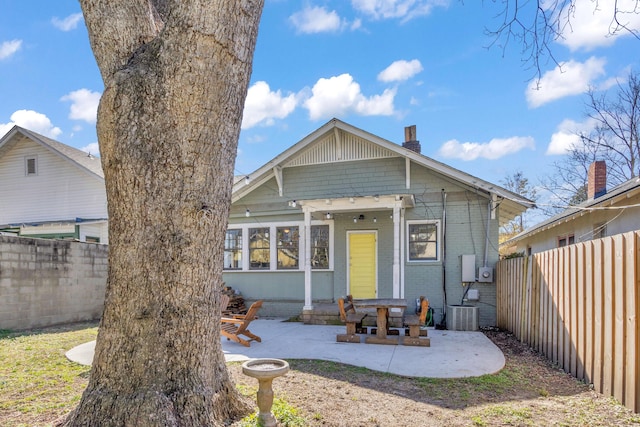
(452, 354)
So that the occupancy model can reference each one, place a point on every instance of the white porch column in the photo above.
(396, 251)
(307, 261)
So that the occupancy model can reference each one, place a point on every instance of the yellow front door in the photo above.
(362, 264)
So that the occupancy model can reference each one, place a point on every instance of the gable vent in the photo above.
(343, 148)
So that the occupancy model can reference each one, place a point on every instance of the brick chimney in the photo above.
(597, 179)
(410, 141)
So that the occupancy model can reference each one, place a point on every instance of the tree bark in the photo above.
(176, 75)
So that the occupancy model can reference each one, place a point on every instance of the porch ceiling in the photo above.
(358, 203)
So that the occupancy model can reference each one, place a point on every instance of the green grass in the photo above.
(285, 414)
(37, 382)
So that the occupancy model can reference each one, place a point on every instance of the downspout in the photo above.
(486, 240)
(443, 322)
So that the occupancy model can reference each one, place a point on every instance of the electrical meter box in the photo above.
(468, 268)
(485, 274)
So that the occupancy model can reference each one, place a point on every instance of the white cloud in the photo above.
(402, 9)
(84, 105)
(316, 19)
(592, 23)
(400, 70)
(31, 120)
(67, 24)
(9, 48)
(339, 95)
(494, 149)
(567, 79)
(567, 137)
(93, 149)
(263, 105)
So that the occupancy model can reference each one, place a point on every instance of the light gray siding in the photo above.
(465, 233)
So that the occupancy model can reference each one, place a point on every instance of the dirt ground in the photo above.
(529, 391)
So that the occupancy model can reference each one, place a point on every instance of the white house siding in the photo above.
(61, 190)
(95, 230)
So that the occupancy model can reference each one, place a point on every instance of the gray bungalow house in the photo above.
(346, 212)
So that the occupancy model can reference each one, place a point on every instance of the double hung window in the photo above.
(423, 240)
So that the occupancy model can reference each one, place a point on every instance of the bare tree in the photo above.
(518, 184)
(176, 75)
(615, 138)
(534, 25)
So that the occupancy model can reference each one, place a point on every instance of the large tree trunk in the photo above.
(176, 75)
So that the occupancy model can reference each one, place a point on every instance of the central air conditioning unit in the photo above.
(462, 318)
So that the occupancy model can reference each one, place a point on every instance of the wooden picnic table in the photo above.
(382, 306)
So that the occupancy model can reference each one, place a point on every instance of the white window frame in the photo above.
(273, 247)
(409, 223)
(241, 248)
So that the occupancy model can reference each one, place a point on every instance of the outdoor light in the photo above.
(247, 213)
(293, 203)
(328, 215)
(355, 219)
(375, 219)
(247, 180)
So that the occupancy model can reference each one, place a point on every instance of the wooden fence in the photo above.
(579, 306)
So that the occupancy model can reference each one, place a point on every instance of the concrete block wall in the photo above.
(48, 282)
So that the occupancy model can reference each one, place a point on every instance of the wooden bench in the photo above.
(351, 319)
(415, 323)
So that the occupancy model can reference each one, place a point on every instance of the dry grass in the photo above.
(38, 385)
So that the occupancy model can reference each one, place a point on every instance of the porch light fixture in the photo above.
(328, 215)
(247, 213)
(247, 180)
(375, 219)
(292, 203)
(355, 219)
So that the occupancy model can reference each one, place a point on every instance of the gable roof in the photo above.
(337, 141)
(79, 158)
(617, 193)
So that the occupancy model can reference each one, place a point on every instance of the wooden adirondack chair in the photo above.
(224, 302)
(233, 327)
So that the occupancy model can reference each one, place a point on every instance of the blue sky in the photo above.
(379, 65)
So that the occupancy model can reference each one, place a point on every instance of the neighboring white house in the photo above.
(606, 212)
(51, 190)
